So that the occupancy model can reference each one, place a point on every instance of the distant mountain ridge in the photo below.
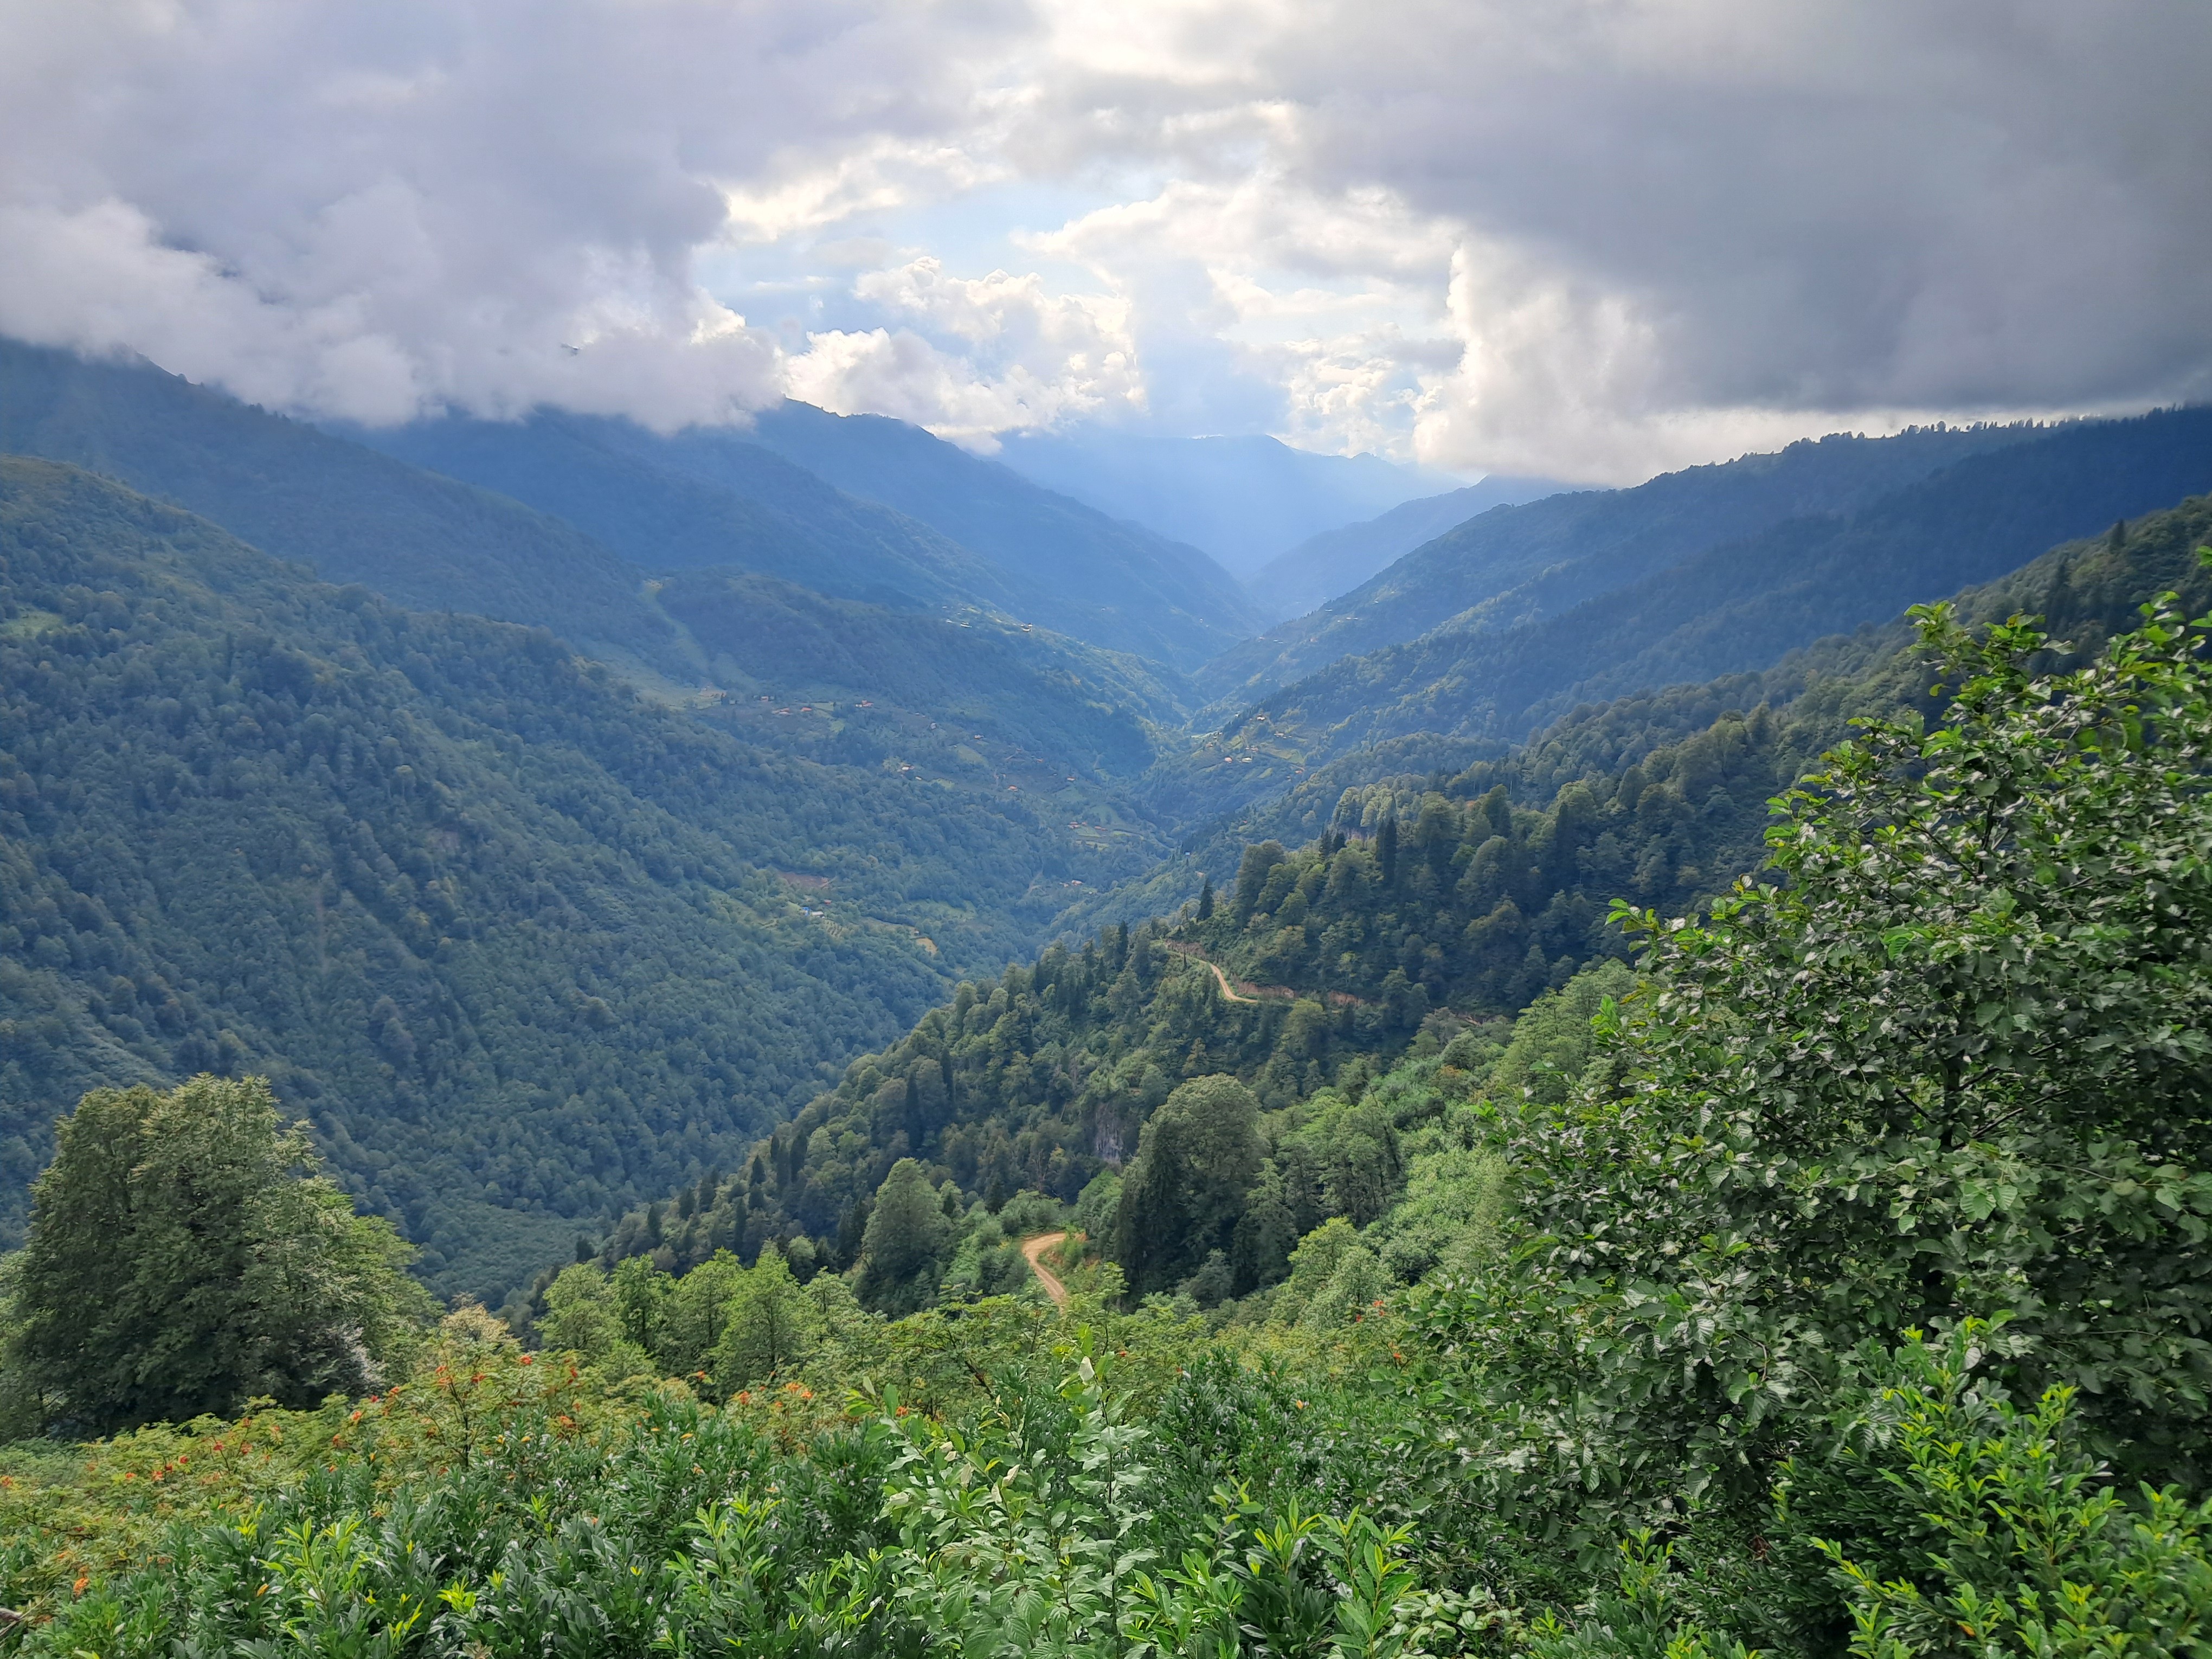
(1501, 670)
(1335, 561)
(926, 526)
(1244, 500)
(1164, 589)
(1590, 542)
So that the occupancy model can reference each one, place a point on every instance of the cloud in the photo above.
(1586, 237)
(1686, 223)
(999, 353)
(486, 204)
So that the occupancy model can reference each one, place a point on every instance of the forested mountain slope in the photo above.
(520, 943)
(1040, 1079)
(1166, 600)
(1334, 562)
(353, 514)
(1733, 608)
(433, 543)
(1483, 888)
(1591, 542)
(906, 520)
(761, 514)
(1477, 892)
(893, 685)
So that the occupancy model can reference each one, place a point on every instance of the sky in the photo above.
(1585, 239)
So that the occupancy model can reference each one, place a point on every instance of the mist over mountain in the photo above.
(1335, 561)
(1244, 500)
(351, 514)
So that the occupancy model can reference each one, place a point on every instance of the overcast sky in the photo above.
(1592, 240)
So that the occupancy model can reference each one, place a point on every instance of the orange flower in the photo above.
(526, 1358)
(83, 1581)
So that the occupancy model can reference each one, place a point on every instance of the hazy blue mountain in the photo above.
(1074, 551)
(1587, 543)
(754, 512)
(353, 514)
(1337, 560)
(1243, 500)
(1731, 608)
(712, 497)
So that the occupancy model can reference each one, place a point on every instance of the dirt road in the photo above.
(1034, 1247)
(1221, 979)
(1227, 989)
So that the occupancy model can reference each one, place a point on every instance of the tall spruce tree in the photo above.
(904, 1246)
(1196, 1162)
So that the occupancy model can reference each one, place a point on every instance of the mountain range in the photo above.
(554, 807)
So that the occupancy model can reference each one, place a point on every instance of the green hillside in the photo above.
(1734, 607)
(520, 944)
(349, 513)
(1832, 1283)
(911, 687)
(1471, 894)
(1038, 1079)
(1590, 542)
(762, 514)
(892, 516)
(1159, 597)
(1485, 886)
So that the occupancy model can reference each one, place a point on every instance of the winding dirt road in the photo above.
(1222, 979)
(1034, 1247)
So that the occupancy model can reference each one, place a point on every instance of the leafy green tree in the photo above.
(1196, 1161)
(771, 1326)
(697, 1312)
(579, 1314)
(639, 1294)
(183, 1256)
(1956, 1063)
(905, 1245)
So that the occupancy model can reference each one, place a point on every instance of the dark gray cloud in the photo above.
(1589, 238)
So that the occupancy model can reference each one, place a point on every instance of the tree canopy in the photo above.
(183, 1255)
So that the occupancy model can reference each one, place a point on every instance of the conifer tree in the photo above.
(1195, 1165)
(904, 1244)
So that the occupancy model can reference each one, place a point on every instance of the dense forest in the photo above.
(1828, 1282)
(522, 945)
(1535, 650)
(1481, 889)
(1424, 912)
